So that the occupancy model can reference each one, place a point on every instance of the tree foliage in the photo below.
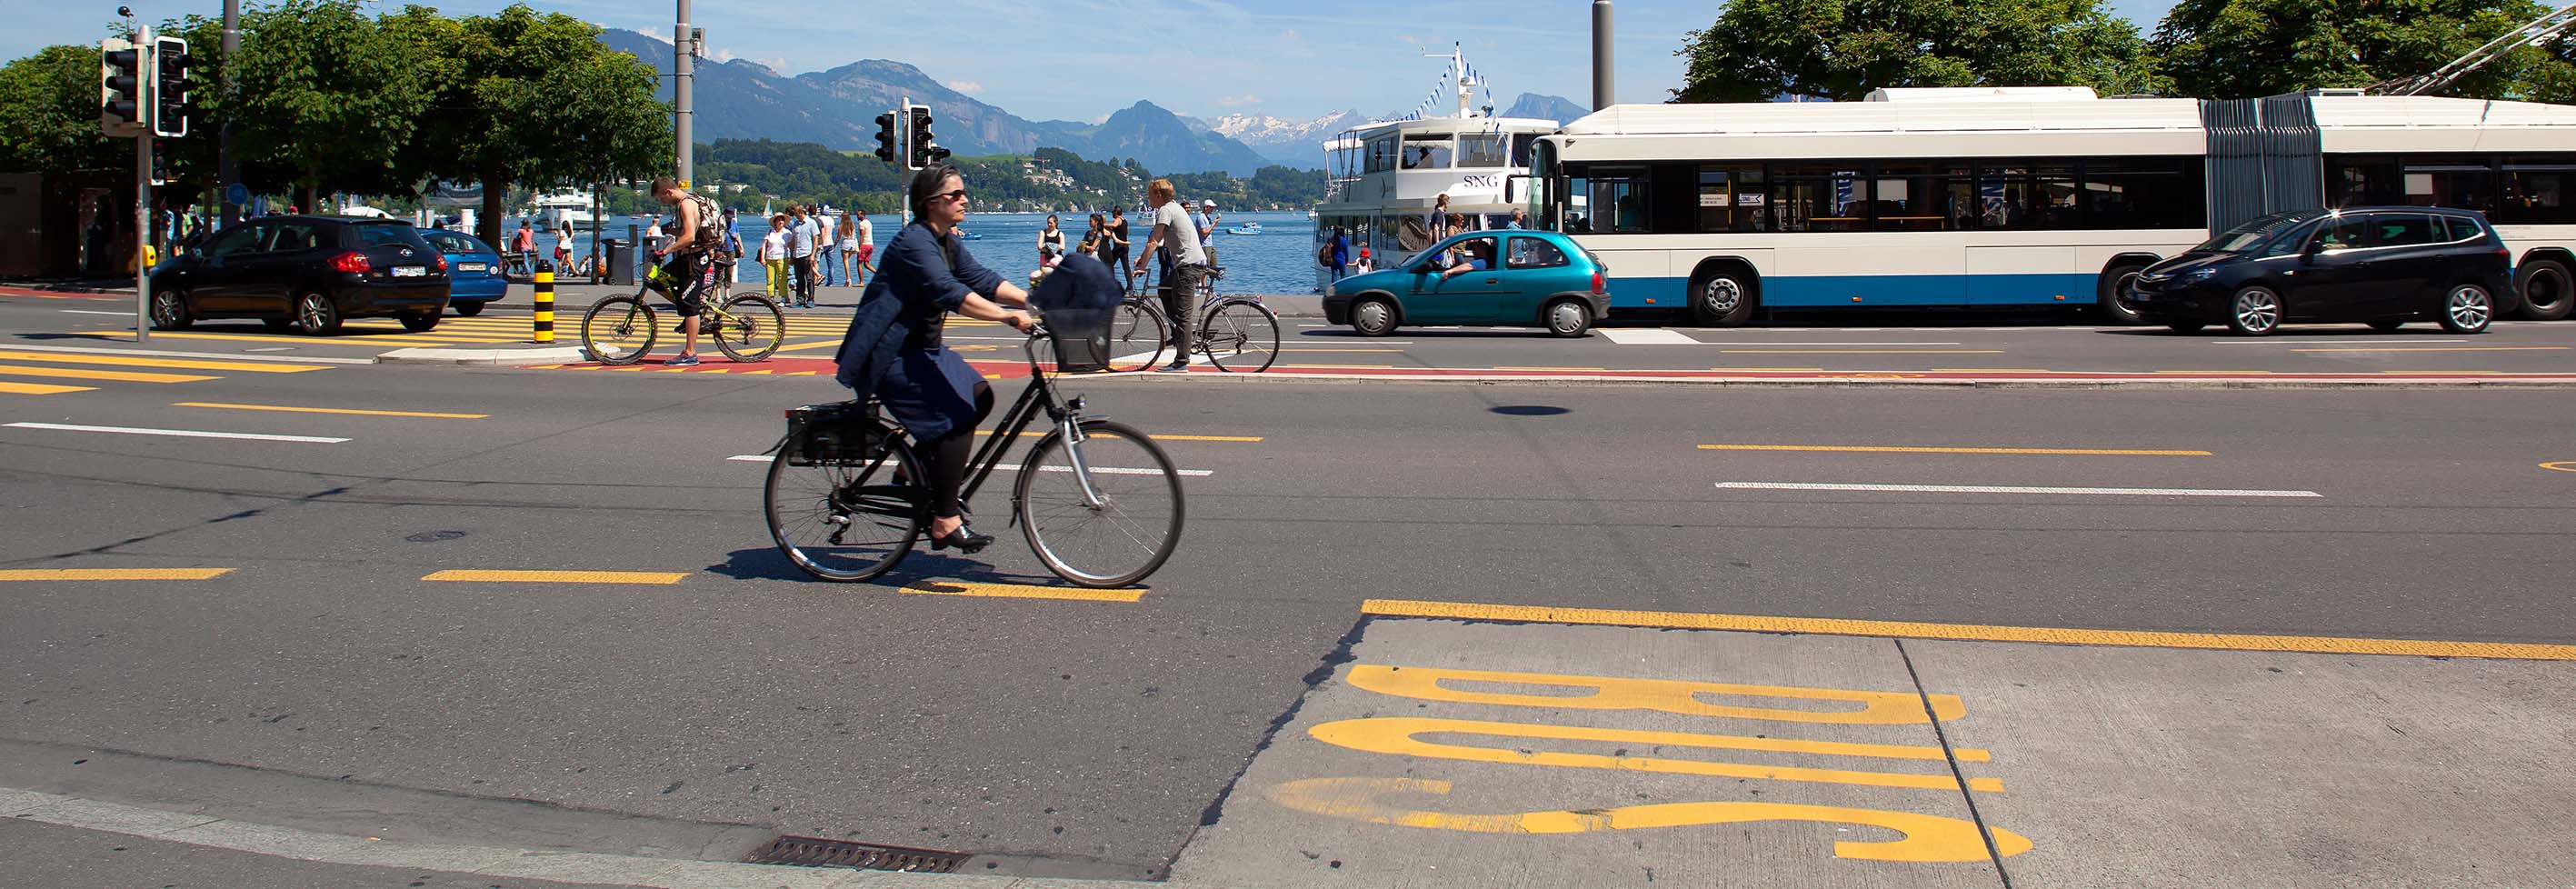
(329, 92)
(1842, 49)
(2240, 48)
(49, 114)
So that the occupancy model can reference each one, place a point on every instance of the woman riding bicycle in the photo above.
(895, 349)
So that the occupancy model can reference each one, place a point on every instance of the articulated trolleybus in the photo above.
(2026, 197)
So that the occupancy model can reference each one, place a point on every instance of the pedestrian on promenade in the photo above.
(1438, 223)
(1364, 266)
(867, 247)
(653, 240)
(848, 238)
(826, 250)
(1178, 237)
(1050, 243)
(563, 248)
(1341, 248)
(523, 248)
(773, 257)
(895, 350)
(801, 235)
(1095, 237)
(1117, 256)
(1207, 230)
(1520, 219)
(728, 258)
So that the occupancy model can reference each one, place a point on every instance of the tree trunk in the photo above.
(496, 191)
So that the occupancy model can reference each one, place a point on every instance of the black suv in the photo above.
(305, 272)
(2381, 265)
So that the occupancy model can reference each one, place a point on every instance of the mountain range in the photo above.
(740, 99)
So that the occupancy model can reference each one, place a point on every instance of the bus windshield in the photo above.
(2253, 232)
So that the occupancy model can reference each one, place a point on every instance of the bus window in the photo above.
(1614, 202)
(1481, 150)
(1543, 208)
(2054, 184)
(2144, 193)
(1733, 198)
(2535, 191)
(2465, 183)
(2360, 181)
(1917, 196)
(1819, 198)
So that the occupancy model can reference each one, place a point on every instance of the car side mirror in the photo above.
(2312, 249)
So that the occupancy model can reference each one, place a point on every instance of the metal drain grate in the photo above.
(818, 852)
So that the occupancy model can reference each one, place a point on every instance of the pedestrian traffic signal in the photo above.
(925, 147)
(120, 86)
(886, 145)
(170, 86)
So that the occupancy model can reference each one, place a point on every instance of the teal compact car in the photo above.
(1488, 278)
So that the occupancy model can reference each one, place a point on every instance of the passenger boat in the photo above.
(1386, 176)
(1249, 228)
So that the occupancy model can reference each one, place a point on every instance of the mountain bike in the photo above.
(1237, 333)
(621, 329)
(1098, 501)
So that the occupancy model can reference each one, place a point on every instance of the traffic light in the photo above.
(120, 86)
(925, 147)
(887, 148)
(170, 86)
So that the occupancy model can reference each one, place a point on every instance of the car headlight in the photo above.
(2198, 275)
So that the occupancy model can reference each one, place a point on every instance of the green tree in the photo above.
(1842, 49)
(49, 114)
(331, 94)
(2241, 48)
(506, 87)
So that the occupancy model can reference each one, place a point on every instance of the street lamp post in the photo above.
(684, 51)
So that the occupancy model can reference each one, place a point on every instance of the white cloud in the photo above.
(655, 33)
(968, 87)
(722, 55)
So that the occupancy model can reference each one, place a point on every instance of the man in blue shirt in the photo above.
(801, 235)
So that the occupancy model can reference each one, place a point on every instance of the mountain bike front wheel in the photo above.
(750, 328)
(1240, 336)
(618, 330)
(1102, 512)
(847, 521)
(1136, 336)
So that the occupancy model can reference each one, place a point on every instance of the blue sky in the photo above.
(1081, 59)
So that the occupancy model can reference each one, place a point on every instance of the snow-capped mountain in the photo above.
(1298, 143)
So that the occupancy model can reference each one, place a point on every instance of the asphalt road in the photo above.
(1092, 738)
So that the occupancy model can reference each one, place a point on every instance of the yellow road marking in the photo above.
(139, 361)
(1395, 736)
(326, 410)
(2448, 349)
(2560, 466)
(1017, 591)
(1969, 632)
(311, 341)
(1876, 449)
(1863, 352)
(636, 577)
(41, 388)
(113, 573)
(1664, 695)
(812, 345)
(126, 376)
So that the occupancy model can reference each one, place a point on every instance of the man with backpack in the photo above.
(682, 279)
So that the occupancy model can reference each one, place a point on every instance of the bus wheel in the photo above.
(1721, 297)
(2545, 293)
(2113, 283)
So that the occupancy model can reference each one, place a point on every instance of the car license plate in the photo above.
(411, 271)
(473, 267)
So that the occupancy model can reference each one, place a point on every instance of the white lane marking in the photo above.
(2009, 489)
(1816, 343)
(2379, 341)
(94, 312)
(176, 433)
(1106, 470)
(1651, 336)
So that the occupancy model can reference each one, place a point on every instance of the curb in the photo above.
(485, 357)
(2550, 382)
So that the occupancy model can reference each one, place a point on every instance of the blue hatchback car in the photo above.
(473, 268)
(1508, 278)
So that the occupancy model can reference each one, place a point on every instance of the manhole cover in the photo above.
(818, 852)
(434, 536)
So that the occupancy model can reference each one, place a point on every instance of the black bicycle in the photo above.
(621, 329)
(1099, 502)
(1237, 333)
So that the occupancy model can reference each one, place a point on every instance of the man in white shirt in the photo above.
(1178, 236)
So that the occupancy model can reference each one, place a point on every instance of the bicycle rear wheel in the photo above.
(1136, 336)
(1116, 539)
(618, 330)
(847, 522)
(750, 328)
(1240, 336)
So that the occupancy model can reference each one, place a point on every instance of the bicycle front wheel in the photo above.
(1101, 512)
(1136, 336)
(847, 521)
(750, 328)
(618, 330)
(1240, 336)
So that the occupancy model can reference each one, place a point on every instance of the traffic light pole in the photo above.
(144, 61)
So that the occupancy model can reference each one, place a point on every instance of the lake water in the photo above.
(1280, 260)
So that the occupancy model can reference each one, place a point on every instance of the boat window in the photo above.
(1426, 151)
(1481, 150)
(1521, 143)
(1381, 154)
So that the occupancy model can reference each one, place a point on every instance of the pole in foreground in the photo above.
(1604, 92)
(544, 325)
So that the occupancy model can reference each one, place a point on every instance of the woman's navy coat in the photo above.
(930, 391)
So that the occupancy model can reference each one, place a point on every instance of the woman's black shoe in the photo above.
(964, 539)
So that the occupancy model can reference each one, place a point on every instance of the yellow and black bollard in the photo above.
(545, 322)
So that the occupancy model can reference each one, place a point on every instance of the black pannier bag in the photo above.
(842, 432)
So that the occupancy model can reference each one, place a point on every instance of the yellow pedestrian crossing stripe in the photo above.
(83, 373)
(40, 388)
(143, 361)
(102, 368)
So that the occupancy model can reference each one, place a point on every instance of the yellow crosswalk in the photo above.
(84, 367)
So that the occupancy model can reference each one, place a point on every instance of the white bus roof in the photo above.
(1985, 114)
(1933, 93)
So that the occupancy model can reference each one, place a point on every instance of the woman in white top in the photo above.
(1050, 244)
(849, 247)
(773, 256)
